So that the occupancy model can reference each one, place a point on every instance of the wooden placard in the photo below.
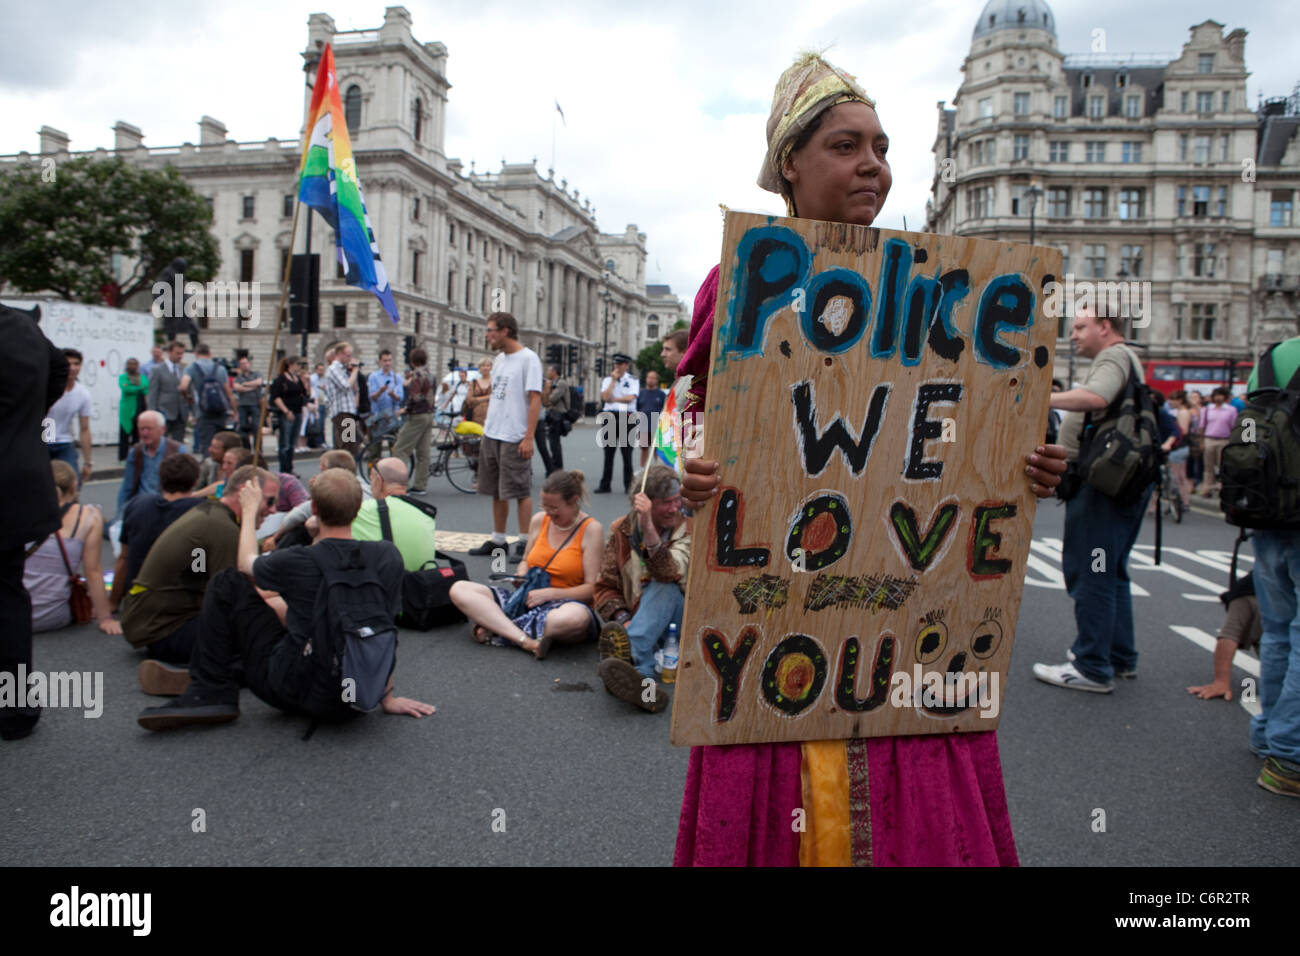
(871, 400)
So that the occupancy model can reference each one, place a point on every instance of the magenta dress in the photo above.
(935, 800)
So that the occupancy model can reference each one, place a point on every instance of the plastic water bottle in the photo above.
(669, 675)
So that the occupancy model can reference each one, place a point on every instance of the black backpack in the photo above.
(1260, 466)
(212, 397)
(574, 411)
(426, 593)
(353, 647)
(1122, 459)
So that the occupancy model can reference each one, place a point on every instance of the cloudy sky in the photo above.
(665, 101)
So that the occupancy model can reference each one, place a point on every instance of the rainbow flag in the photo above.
(328, 183)
(668, 439)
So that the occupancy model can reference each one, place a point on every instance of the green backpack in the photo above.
(1122, 458)
(1260, 468)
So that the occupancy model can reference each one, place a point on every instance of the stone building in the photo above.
(1138, 167)
(456, 244)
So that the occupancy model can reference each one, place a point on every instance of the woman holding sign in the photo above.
(934, 800)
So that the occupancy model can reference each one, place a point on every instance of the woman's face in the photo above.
(560, 511)
(841, 174)
(229, 462)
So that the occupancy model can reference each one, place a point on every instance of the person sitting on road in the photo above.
(160, 612)
(1241, 630)
(47, 572)
(411, 525)
(210, 469)
(231, 461)
(148, 516)
(141, 473)
(292, 530)
(568, 543)
(641, 587)
(261, 614)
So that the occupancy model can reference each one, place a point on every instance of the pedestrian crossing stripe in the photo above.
(1194, 634)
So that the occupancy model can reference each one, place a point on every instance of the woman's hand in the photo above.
(110, 626)
(404, 705)
(1046, 466)
(700, 482)
(539, 596)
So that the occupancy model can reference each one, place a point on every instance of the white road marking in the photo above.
(1194, 634)
(1146, 563)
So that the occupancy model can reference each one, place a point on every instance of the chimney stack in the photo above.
(126, 137)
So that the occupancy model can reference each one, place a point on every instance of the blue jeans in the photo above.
(288, 435)
(1276, 730)
(205, 426)
(66, 451)
(661, 605)
(1099, 534)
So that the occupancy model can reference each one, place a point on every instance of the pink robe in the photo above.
(933, 800)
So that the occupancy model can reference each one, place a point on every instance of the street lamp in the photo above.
(1032, 194)
(451, 362)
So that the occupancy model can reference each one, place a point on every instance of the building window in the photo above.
(1205, 63)
(1204, 102)
(245, 265)
(1130, 203)
(1020, 104)
(1200, 201)
(451, 285)
(1133, 106)
(1273, 270)
(1094, 204)
(978, 202)
(469, 291)
(1131, 153)
(338, 270)
(1130, 261)
(1178, 321)
(1086, 80)
(1020, 147)
(415, 268)
(469, 241)
(352, 108)
(1182, 147)
(1221, 203)
(1060, 107)
(340, 316)
(1019, 204)
(1065, 260)
(501, 255)
(1094, 261)
(1279, 208)
(1094, 152)
(652, 327)
(1203, 260)
(1224, 141)
(1058, 202)
(485, 248)
(1204, 325)
(1096, 107)
(482, 305)
(287, 209)
(249, 207)
(451, 234)
(1201, 149)
(1185, 101)
(985, 107)
(416, 326)
(1058, 151)
(417, 118)
(284, 261)
(1121, 80)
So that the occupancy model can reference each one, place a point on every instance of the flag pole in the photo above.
(279, 320)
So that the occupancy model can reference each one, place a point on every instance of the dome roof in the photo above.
(1014, 15)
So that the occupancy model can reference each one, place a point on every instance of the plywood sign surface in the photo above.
(871, 400)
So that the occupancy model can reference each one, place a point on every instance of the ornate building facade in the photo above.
(1138, 167)
(456, 245)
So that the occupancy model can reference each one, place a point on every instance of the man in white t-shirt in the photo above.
(71, 418)
(505, 469)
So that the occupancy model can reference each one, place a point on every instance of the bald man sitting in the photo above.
(411, 522)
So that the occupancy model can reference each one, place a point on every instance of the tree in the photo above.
(650, 359)
(60, 228)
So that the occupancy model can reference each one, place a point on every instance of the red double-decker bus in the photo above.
(1201, 375)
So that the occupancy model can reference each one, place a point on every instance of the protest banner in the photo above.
(872, 396)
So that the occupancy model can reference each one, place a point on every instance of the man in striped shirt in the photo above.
(341, 394)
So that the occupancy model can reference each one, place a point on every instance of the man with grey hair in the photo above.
(141, 474)
(640, 591)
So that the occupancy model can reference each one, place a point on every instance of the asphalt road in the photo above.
(533, 763)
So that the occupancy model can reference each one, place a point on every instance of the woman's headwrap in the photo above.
(806, 90)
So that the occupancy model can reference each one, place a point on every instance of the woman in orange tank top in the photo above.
(569, 544)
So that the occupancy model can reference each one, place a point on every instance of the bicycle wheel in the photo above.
(381, 447)
(462, 466)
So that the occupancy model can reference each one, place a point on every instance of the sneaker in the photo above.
(1276, 778)
(604, 490)
(163, 680)
(1126, 673)
(613, 643)
(189, 708)
(1064, 675)
(622, 680)
(488, 548)
(519, 547)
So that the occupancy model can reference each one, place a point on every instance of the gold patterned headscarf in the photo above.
(805, 91)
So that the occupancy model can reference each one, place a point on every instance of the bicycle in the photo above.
(1170, 497)
(453, 455)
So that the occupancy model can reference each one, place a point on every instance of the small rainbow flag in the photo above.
(668, 439)
(328, 183)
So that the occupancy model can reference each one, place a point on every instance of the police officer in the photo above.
(619, 392)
